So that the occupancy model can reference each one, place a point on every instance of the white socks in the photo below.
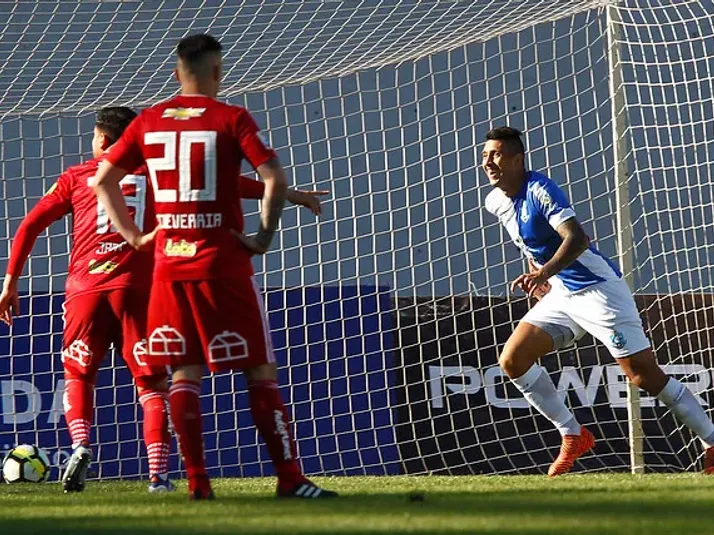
(687, 410)
(540, 392)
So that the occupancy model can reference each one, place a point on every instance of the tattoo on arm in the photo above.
(575, 242)
(273, 200)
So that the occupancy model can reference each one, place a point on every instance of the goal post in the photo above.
(388, 310)
(625, 249)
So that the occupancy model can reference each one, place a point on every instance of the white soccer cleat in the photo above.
(75, 474)
(159, 483)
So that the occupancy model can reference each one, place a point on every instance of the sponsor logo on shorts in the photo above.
(79, 352)
(167, 341)
(97, 267)
(182, 114)
(180, 248)
(139, 352)
(618, 340)
(227, 346)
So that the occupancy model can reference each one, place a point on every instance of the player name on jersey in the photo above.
(189, 221)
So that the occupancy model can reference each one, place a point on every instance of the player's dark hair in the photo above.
(113, 120)
(194, 48)
(511, 138)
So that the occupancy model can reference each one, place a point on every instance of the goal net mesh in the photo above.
(388, 310)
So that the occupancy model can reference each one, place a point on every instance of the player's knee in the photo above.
(156, 383)
(650, 380)
(508, 363)
(263, 372)
(75, 375)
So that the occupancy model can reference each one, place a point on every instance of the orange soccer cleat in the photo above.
(573, 446)
(709, 461)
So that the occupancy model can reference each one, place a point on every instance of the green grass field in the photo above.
(504, 505)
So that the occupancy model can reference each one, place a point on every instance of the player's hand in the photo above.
(535, 284)
(9, 303)
(308, 199)
(145, 242)
(250, 243)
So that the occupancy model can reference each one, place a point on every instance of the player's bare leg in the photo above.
(272, 420)
(643, 371)
(79, 407)
(186, 417)
(153, 396)
(518, 359)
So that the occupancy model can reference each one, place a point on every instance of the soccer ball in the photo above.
(25, 463)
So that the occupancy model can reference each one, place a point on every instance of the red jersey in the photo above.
(100, 258)
(193, 147)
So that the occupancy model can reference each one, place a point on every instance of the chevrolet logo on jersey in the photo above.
(180, 248)
(97, 268)
(182, 114)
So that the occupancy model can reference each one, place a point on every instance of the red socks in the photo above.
(271, 419)
(156, 429)
(186, 417)
(78, 407)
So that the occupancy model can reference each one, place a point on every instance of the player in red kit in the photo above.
(205, 307)
(106, 296)
(105, 300)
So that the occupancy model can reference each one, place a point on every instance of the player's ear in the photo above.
(104, 141)
(177, 75)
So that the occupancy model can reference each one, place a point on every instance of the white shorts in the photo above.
(606, 310)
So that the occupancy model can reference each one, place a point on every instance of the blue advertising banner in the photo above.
(334, 351)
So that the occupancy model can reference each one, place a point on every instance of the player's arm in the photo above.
(276, 186)
(125, 154)
(541, 292)
(266, 163)
(254, 189)
(108, 191)
(574, 243)
(54, 205)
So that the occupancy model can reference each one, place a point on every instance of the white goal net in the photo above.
(388, 311)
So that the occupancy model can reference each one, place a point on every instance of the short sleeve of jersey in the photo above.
(60, 194)
(550, 200)
(252, 143)
(126, 153)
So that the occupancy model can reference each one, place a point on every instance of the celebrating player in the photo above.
(205, 307)
(587, 294)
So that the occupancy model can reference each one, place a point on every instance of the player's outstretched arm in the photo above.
(54, 205)
(575, 242)
(276, 186)
(108, 191)
(310, 199)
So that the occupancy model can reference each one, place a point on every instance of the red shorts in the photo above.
(218, 322)
(93, 321)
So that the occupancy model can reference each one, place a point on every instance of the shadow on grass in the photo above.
(505, 512)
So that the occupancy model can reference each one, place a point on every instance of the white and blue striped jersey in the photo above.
(531, 218)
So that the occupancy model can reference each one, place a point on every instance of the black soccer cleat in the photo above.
(75, 474)
(307, 491)
(199, 495)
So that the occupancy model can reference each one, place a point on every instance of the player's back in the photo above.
(193, 147)
(100, 259)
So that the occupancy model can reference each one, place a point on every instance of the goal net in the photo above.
(388, 311)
